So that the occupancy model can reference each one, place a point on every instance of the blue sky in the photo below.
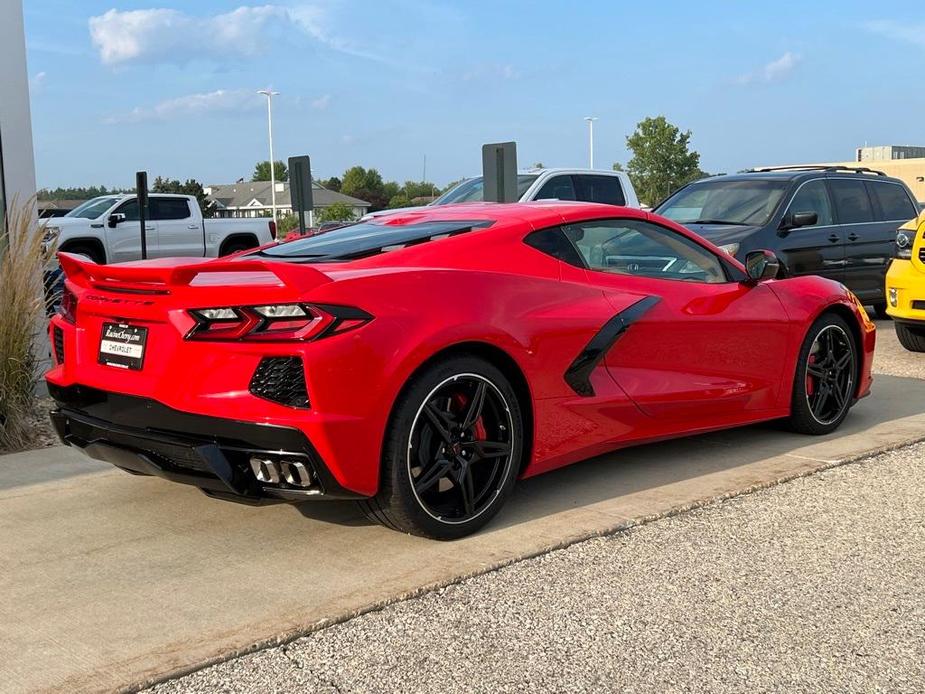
(170, 86)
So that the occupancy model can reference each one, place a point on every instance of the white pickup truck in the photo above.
(107, 230)
(586, 185)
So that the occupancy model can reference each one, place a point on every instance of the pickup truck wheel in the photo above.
(90, 252)
(236, 247)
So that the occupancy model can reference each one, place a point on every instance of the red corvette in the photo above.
(422, 362)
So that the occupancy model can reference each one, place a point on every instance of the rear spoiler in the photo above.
(155, 277)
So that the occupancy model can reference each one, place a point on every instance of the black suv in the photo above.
(836, 222)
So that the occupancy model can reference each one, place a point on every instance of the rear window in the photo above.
(894, 202)
(365, 239)
(851, 201)
(603, 189)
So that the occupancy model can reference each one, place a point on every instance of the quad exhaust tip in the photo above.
(293, 472)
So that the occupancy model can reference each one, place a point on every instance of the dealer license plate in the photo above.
(123, 345)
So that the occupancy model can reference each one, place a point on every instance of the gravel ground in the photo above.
(814, 585)
(891, 358)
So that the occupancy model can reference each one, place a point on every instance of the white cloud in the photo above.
(775, 70)
(193, 105)
(173, 36)
(899, 31)
(37, 82)
(322, 102)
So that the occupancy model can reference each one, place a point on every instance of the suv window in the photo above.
(851, 201)
(812, 197)
(895, 204)
(557, 188)
(168, 208)
(604, 189)
(749, 201)
(630, 247)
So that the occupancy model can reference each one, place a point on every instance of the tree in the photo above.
(539, 165)
(335, 212)
(191, 187)
(78, 193)
(332, 183)
(662, 160)
(262, 171)
(365, 184)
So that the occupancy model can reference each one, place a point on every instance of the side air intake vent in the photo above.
(282, 380)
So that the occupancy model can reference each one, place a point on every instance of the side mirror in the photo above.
(802, 219)
(115, 219)
(761, 265)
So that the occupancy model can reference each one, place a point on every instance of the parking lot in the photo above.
(115, 580)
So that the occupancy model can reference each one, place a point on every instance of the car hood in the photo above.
(69, 222)
(722, 234)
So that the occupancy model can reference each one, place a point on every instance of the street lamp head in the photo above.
(590, 119)
(267, 92)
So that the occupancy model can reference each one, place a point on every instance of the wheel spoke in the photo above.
(839, 397)
(843, 361)
(464, 483)
(475, 406)
(821, 399)
(489, 449)
(816, 371)
(439, 421)
(429, 477)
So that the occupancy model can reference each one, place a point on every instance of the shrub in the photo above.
(22, 260)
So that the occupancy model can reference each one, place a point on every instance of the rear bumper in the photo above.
(143, 436)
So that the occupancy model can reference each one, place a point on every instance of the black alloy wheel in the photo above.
(452, 452)
(459, 452)
(826, 378)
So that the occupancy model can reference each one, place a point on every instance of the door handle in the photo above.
(149, 228)
(192, 226)
(853, 237)
(834, 238)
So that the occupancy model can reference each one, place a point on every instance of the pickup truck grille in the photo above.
(922, 254)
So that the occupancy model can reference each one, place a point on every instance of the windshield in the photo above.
(749, 202)
(470, 190)
(92, 209)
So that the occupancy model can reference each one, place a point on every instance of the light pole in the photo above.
(270, 94)
(590, 120)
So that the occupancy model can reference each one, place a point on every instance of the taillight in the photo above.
(272, 229)
(67, 309)
(274, 322)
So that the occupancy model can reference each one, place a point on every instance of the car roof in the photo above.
(795, 174)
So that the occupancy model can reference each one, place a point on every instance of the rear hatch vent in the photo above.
(367, 238)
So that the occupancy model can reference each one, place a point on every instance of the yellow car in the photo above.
(905, 285)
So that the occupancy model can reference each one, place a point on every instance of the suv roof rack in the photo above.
(821, 167)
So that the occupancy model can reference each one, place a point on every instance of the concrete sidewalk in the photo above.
(111, 580)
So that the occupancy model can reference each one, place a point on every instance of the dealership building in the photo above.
(17, 165)
(899, 161)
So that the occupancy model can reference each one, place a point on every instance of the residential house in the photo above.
(254, 199)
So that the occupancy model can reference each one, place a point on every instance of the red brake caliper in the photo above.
(478, 432)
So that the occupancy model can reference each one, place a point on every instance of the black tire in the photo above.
(880, 310)
(910, 337)
(236, 247)
(824, 389)
(92, 252)
(413, 442)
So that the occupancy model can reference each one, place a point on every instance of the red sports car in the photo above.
(422, 362)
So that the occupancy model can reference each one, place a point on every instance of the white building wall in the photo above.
(15, 116)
